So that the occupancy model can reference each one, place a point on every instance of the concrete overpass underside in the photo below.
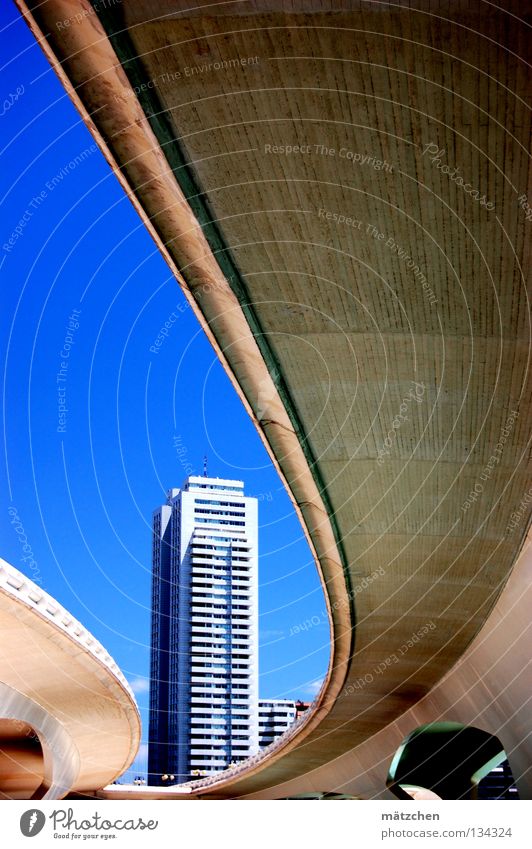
(338, 188)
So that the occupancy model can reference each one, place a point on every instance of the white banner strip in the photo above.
(255, 823)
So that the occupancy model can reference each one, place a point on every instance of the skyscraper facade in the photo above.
(204, 648)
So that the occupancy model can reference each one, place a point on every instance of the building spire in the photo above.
(205, 466)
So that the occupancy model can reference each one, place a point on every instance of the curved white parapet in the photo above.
(59, 681)
(19, 586)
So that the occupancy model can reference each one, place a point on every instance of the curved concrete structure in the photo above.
(21, 760)
(489, 688)
(340, 189)
(68, 718)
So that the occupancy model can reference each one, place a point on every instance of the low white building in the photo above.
(275, 716)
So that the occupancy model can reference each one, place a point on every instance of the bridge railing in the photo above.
(245, 766)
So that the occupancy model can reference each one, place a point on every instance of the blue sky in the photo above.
(81, 277)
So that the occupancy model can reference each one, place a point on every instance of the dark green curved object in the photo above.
(446, 757)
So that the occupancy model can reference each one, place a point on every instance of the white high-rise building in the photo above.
(275, 717)
(204, 653)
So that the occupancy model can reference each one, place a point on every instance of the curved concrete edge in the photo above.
(151, 187)
(61, 757)
(489, 687)
(58, 679)
(23, 589)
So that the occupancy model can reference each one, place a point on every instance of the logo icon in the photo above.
(32, 822)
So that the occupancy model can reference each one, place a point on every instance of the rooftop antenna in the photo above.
(205, 466)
